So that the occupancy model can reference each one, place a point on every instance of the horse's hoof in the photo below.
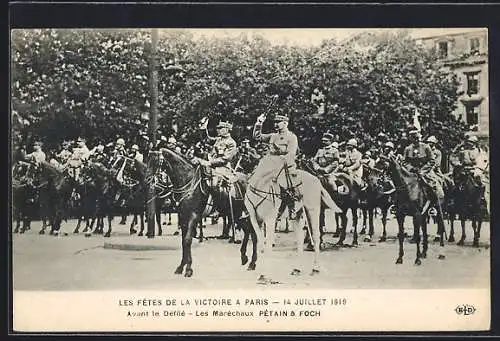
(88, 234)
(399, 261)
(189, 273)
(244, 259)
(41, 232)
(132, 231)
(437, 239)
(200, 240)
(178, 271)
(354, 244)
(107, 235)
(475, 243)
(423, 255)
(441, 257)
(251, 267)
(382, 239)
(339, 244)
(295, 272)
(309, 247)
(336, 234)
(314, 272)
(176, 233)
(22, 231)
(75, 231)
(363, 231)
(460, 242)
(169, 223)
(159, 233)
(140, 234)
(418, 261)
(451, 239)
(367, 240)
(16, 231)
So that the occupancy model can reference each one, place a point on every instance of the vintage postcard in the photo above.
(245, 180)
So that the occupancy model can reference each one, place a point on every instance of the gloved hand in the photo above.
(261, 118)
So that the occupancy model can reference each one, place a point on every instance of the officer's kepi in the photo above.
(280, 118)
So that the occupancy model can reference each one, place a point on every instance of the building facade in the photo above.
(466, 54)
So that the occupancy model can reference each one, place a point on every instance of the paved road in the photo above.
(74, 262)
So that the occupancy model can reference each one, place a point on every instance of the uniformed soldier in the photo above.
(326, 160)
(468, 158)
(249, 157)
(352, 163)
(418, 157)
(37, 156)
(367, 159)
(223, 151)
(64, 155)
(80, 154)
(283, 146)
(136, 154)
(98, 154)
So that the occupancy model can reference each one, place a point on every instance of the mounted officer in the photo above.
(63, 156)
(135, 154)
(418, 158)
(223, 152)
(249, 157)
(38, 155)
(80, 154)
(352, 163)
(97, 154)
(468, 160)
(279, 164)
(326, 160)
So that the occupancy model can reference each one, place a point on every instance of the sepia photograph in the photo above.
(178, 180)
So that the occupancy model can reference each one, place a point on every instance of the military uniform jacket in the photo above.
(224, 149)
(283, 144)
(326, 156)
(468, 157)
(418, 156)
(81, 153)
(437, 157)
(353, 160)
(64, 155)
(37, 156)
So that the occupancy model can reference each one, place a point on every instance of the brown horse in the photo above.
(469, 203)
(412, 198)
(191, 194)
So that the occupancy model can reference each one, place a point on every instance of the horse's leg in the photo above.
(337, 225)
(180, 268)
(364, 212)
(401, 237)
(244, 242)
(193, 222)
(462, 223)
(475, 242)
(200, 235)
(141, 220)
(383, 238)
(108, 233)
(343, 228)
(418, 221)
(78, 223)
(355, 226)
(441, 230)
(425, 241)
(369, 212)
(451, 219)
(158, 220)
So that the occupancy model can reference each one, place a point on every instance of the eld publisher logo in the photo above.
(465, 309)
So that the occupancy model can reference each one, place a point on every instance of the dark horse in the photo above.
(55, 194)
(375, 197)
(410, 199)
(192, 194)
(469, 204)
(25, 201)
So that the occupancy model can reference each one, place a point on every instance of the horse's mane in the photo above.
(180, 157)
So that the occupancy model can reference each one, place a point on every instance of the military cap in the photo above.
(280, 118)
(224, 124)
(352, 142)
(327, 136)
(432, 139)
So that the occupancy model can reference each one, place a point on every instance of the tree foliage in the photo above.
(95, 83)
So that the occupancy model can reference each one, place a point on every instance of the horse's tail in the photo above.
(327, 200)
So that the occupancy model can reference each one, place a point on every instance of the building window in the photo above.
(443, 49)
(472, 83)
(472, 117)
(474, 46)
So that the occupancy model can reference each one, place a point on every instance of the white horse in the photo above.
(263, 203)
